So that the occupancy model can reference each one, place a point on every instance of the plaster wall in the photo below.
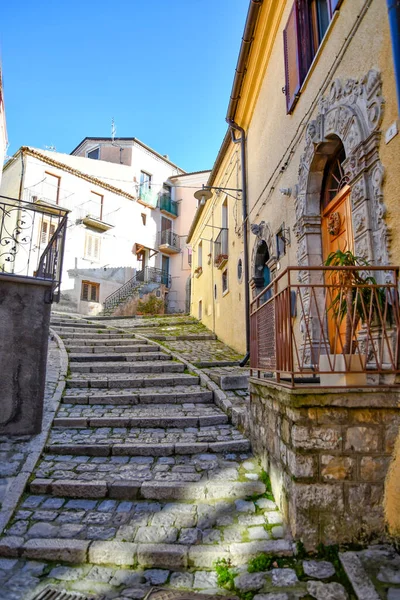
(223, 313)
(3, 129)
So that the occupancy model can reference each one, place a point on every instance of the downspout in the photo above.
(21, 183)
(394, 22)
(242, 141)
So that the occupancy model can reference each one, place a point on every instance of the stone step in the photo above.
(143, 366)
(175, 395)
(114, 357)
(134, 346)
(220, 469)
(77, 325)
(109, 420)
(184, 337)
(93, 336)
(188, 409)
(155, 555)
(131, 381)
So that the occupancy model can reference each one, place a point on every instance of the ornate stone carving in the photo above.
(352, 110)
(334, 223)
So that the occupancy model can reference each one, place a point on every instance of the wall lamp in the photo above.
(205, 193)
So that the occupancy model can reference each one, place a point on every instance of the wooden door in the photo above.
(337, 234)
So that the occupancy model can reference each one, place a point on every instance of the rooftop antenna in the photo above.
(51, 148)
(113, 130)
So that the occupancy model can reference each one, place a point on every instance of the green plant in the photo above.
(151, 306)
(225, 573)
(356, 297)
(262, 562)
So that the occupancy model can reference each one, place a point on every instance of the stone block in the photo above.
(327, 591)
(359, 579)
(300, 465)
(205, 556)
(337, 468)
(374, 468)
(167, 556)
(71, 551)
(247, 582)
(362, 439)
(318, 497)
(193, 448)
(143, 449)
(113, 553)
(241, 553)
(316, 438)
(124, 490)
(41, 486)
(79, 489)
(11, 546)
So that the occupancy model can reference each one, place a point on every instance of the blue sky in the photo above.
(162, 68)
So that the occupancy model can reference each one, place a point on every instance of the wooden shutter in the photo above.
(93, 292)
(335, 4)
(85, 290)
(292, 59)
(96, 253)
(43, 233)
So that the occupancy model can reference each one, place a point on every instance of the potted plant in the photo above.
(354, 300)
(220, 260)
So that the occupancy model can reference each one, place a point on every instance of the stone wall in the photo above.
(24, 331)
(328, 453)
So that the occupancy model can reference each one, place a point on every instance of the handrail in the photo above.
(147, 275)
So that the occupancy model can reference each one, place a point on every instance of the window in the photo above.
(95, 154)
(92, 247)
(95, 205)
(200, 255)
(51, 187)
(144, 216)
(145, 182)
(224, 281)
(47, 230)
(302, 36)
(280, 243)
(90, 292)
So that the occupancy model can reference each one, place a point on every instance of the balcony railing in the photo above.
(147, 275)
(32, 241)
(327, 326)
(169, 238)
(168, 205)
(221, 248)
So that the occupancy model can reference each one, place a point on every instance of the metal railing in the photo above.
(312, 325)
(168, 205)
(126, 291)
(221, 246)
(168, 238)
(32, 241)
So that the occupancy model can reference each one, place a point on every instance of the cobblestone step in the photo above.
(76, 325)
(133, 381)
(94, 336)
(133, 346)
(114, 357)
(188, 409)
(130, 421)
(175, 395)
(136, 364)
(143, 366)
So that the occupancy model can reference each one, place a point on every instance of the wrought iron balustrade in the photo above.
(32, 241)
(168, 238)
(147, 275)
(221, 246)
(316, 321)
(168, 205)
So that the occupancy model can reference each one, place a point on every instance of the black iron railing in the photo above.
(169, 238)
(221, 246)
(32, 241)
(131, 287)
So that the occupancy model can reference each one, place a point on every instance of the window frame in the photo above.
(143, 183)
(93, 150)
(58, 177)
(91, 286)
(225, 276)
(101, 196)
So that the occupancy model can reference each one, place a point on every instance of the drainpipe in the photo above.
(21, 182)
(394, 22)
(242, 141)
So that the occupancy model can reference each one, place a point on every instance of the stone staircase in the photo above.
(141, 470)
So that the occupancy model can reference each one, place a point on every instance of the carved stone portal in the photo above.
(351, 112)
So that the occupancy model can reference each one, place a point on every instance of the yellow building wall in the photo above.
(222, 313)
(275, 140)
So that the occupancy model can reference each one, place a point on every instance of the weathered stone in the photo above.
(156, 576)
(124, 490)
(358, 578)
(182, 580)
(128, 578)
(318, 569)
(327, 591)
(258, 533)
(205, 580)
(67, 573)
(243, 506)
(100, 574)
(250, 581)
(337, 467)
(389, 575)
(117, 553)
(71, 551)
(272, 596)
(362, 439)
(80, 489)
(162, 555)
(374, 469)
(393, 594)
(316, 438)
(205, 556)
(284, 577)
(149, 535)
(300, 465)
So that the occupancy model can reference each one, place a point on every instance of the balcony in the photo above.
(221, 249)
(168, 242)
(327, 327)
(168, 206)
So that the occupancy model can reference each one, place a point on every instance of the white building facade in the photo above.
(3, 128)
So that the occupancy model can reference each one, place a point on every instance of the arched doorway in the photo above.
(336, 219)
(262, 273)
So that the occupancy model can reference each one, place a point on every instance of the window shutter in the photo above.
(292, 59)
(96, 248)
(89, 245)
(335, 4)
(43, 234)
(52, 231)
(93, 293)
(85, 291)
